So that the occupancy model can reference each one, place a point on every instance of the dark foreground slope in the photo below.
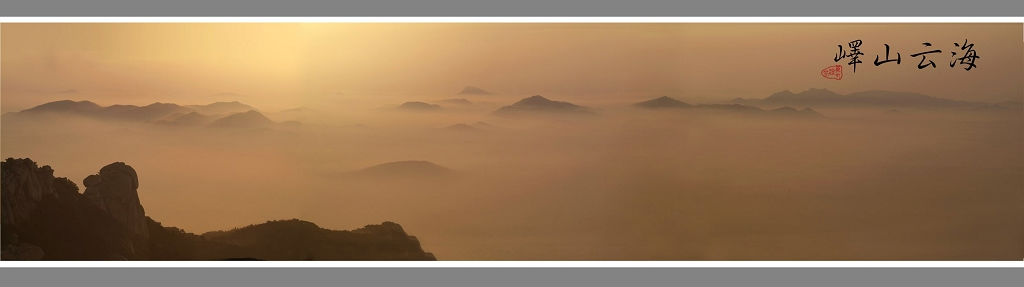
(46, 218)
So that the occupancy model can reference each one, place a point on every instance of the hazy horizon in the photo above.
(276, 66)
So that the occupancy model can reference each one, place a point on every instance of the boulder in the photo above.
(115, 190)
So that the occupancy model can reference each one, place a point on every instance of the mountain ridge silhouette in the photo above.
(540, 105)
(219, 114)
(815, 97)
(669, 103)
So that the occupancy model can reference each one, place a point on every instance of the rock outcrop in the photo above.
(45, 218)
(115, 190)
(296, 239)
(24, 185)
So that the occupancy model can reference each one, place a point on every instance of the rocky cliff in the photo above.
(115, 190)
(45, 218)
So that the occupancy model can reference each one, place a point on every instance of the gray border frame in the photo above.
(112, 277)
(455, 277)
(534, 8)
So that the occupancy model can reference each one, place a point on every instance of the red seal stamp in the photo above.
(833, 72)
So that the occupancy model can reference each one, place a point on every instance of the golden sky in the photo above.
(281, 65)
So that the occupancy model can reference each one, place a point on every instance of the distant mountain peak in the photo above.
(471, 90)
(249, 119)
(65, 106)
(534, 100)
(158, 112)
(787, 110)
(735, 108)
(405, 168)
(457, 101)
(825, 97)
(539, 103)
(226, 103)
(419, 106)
(663, 102)
(151, 112)
(217, 108)
(809, 93)
(159, 104)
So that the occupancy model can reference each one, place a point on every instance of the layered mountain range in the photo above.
(219, 114)
(874, 98)
(667, 103)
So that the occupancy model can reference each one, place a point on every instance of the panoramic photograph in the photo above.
(512, 141)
